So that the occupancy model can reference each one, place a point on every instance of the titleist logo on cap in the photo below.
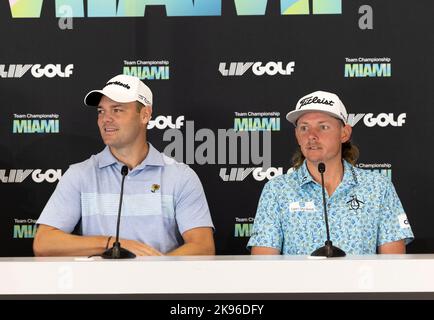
(117, 83)
(310, 100)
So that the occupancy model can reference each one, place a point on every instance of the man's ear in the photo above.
(146, 113)
(346, 133)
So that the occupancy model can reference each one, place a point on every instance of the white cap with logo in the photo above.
(321, 101)
(123, 89)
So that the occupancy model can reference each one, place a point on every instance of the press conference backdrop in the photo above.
(216, 67)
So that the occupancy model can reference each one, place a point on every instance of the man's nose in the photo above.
(313, 134)
(107, 117)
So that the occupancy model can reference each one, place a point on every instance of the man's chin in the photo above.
(315, 161)
(109, 143)
(314, 158)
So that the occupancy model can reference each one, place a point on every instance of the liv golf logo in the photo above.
(381, 120)
(173, 8)
(258, 68)
(38, 176)
(36, 70)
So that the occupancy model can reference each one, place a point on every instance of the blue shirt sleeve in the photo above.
(266, 231)
(393, 224)
(191, 207)
(63, 209)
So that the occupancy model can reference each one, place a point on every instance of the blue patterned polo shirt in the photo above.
(364, 212)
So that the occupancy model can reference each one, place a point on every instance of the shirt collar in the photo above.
(304, 176)
(154, 158)
(106, 158)
(350, 176)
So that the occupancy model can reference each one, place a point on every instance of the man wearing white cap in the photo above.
(364, 212)
(164, 206)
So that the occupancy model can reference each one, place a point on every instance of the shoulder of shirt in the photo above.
(369, 176)
(89, 163)
(286, 179)
(173, 166)
(171, 162)
(168, 161)
(182, 174)
(83, 168)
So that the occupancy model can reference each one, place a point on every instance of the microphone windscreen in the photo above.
(321, 167)
(124, 170)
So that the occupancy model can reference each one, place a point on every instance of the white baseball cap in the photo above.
(123, 89)
(321, 101)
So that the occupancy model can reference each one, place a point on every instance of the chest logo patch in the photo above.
(355, 203)
(302, 206)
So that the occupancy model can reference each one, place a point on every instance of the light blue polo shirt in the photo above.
(162, 199)
(364, 212)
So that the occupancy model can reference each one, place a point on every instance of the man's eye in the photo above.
(100, 111)
(324, 127)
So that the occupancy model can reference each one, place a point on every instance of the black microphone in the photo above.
(329, 250)
(116, 252)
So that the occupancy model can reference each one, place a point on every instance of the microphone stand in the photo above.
(116, 252)
(328, 250)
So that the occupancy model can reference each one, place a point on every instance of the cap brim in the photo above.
(293, 116)
(93, 98)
